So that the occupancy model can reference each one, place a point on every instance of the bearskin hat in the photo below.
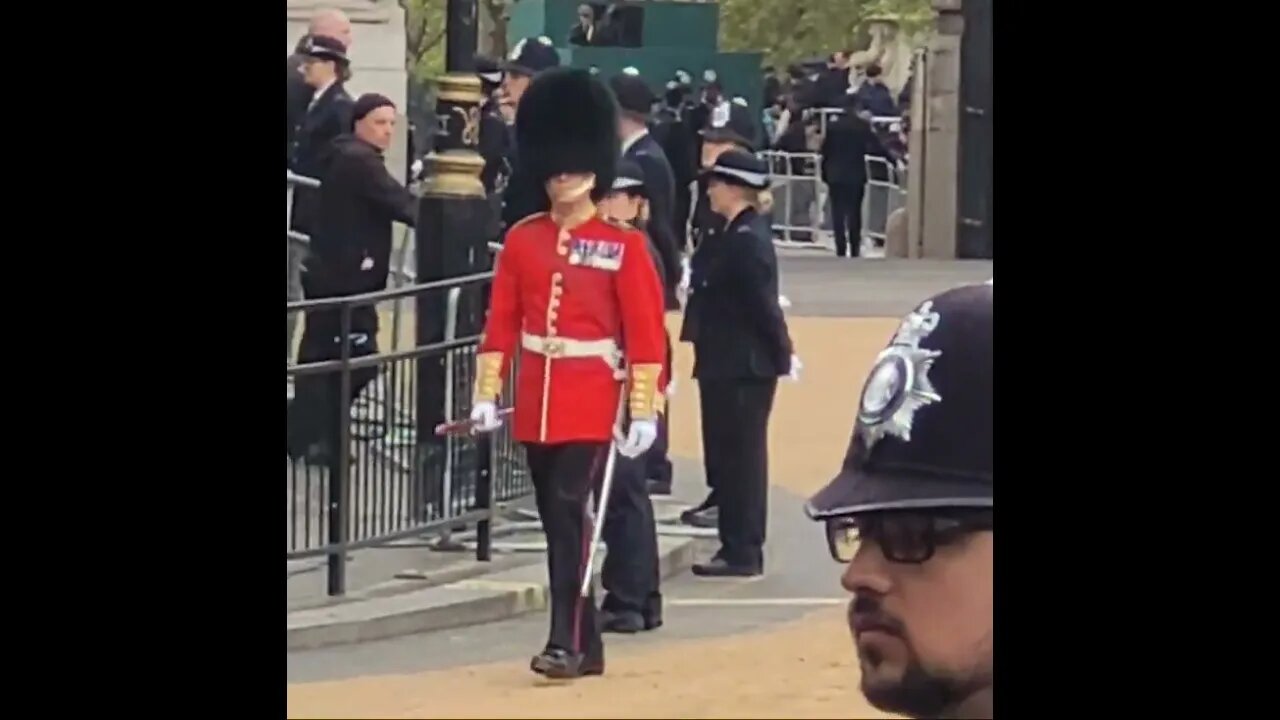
(567, 122)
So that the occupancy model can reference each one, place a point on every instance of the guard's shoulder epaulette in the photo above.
(527, 220)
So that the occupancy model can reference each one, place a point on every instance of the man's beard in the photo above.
(920, 693)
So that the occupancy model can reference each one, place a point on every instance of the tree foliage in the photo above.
(790, 30)
(424, 37)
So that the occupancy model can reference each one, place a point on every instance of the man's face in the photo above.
(585, 16)
(513, 86)
(621, 206)
(569, 187)
(923, 631)
(711, 151)
(317, 73)
(378, 127)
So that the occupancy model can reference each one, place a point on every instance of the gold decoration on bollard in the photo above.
(454, 173)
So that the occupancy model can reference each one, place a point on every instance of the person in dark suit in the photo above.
(741, 346)
(844, 169)
(634, 101)
(350, 255)
(630, 576)
(679, 143)
(328, 116)
(584, 32)
(522, 196)
(873, 95)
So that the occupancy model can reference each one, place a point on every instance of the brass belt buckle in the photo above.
(553, 348)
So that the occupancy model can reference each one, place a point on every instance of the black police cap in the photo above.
(924, 435)
(488, 69)
(533, 55)
(630, 178)
(325, 48)
(739, 167)
(633, 93)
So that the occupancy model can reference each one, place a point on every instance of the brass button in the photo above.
(557, 277)
(556, 291)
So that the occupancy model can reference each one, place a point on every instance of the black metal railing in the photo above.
(376, 474)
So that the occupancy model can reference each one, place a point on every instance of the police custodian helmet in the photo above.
(568, 123)
(924, 436)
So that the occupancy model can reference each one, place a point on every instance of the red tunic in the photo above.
(592, 284)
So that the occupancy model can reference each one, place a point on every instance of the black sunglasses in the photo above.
(904, 536)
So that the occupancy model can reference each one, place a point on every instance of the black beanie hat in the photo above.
(367, 104)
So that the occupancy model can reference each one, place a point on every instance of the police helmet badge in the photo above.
(515, 51)
(899, 384)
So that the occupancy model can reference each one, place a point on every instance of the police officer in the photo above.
(911, 512)
(325, 68)
(706, 226)
(630, 576)
(530, 57)
(741, 346)
(493, 129)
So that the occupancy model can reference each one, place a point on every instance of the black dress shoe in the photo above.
(560, 664)
(717, 567)
(705, 518)
(622, 622)
(658, 487)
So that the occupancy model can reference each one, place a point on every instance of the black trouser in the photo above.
(735, 433)
(630, 574)
(315, 416)
(846, 217)
(563, 477)
(656, 463)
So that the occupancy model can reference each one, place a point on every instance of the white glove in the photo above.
(796, 367)
(783, 302)
(686, 273)
(485, 415)
(671, 388)
(415, 170)
(640, 437)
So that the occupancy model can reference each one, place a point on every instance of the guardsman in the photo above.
(578, 298)
(741, 347)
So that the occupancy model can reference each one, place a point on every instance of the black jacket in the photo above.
(358, 201)
(705, 224)
(326, 120)
(733, 318)
(844, 150)
(875, 97)
(493, 146)
(297, 96)
(659, 184)
(679, 143)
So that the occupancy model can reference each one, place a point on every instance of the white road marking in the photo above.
(753, 602)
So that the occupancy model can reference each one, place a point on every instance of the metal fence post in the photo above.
(484, 497)
(340, 465)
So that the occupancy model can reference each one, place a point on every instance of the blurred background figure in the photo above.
(583, 31)
(325, 23)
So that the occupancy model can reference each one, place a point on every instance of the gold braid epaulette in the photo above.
(488, 377)
(644, 396)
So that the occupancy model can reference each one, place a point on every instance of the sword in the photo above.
(610, 464)
(468, 426)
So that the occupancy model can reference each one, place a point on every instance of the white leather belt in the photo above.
(558, 347)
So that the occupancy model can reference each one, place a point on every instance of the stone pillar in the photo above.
(933, 199)
(377, 57)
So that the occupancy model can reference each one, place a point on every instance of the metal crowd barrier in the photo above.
(886, 192)
(386, 480)
(801, 214)
(799, 198)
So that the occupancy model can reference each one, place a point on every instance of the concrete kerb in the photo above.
(489, 598)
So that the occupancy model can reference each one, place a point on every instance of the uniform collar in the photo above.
(633, 139)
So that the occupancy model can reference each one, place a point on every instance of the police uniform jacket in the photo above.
(733, 318)
(574, 305)
(844, 150)
(493, 146)
(358, 200)
(328, 118)
(660, 187)
(297, 96)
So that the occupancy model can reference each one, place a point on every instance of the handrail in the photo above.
(377, 296)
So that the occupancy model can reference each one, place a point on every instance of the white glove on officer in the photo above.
(686, 275)
(485, 415)
(640, 437)
(796, 367)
